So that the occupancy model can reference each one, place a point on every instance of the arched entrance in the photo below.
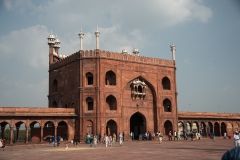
(111, 127)
(137, 124)
(216, 129)
(62, 130)
(203, 129)
(89, 127)
(181, 128)
(223, 128)
(209, 128)
(168, 127)
(35, 131)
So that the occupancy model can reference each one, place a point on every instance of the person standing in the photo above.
(197, 138)
(132, 136)
(121, 139)
(175, 135)
(213, 136)
(53, 141)
(58, 140)
(95, 141)
(99, 138)
(225, 135)
(106, 140)
(160, 136)
(236, 139)
(170, 135)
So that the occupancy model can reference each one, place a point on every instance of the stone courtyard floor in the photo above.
(204, 149)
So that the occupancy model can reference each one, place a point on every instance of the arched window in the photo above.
(167, 105)
(55, 86)
(54, 104)
(89, 102)
(89, 78)
(166, 83)
(112, 102)
(110, 78)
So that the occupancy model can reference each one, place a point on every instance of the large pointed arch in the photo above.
(137, 124)
(137, 102)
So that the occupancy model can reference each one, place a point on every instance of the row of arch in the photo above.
(35, 132)
(110, 79)
(138, 125)
(112, 104)
(205, 128)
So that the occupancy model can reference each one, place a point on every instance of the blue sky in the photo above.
(206, 35)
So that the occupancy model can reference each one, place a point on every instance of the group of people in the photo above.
(52, 140)
(108, 140)
(3, 142)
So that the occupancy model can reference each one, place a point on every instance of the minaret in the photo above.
(97, 33)
(81, 39)
(135, 51)
(173, 49)
(124, 51)
(51, 42)
(57, 45)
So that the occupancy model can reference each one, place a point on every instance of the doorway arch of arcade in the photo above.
(34, 126)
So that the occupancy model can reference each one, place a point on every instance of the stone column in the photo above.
(11, 135)
(41, 136)
(55, 134)
(26, 141)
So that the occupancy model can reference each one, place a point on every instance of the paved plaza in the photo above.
(204, 149)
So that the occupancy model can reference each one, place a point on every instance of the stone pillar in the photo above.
(11, 135)
(55, 134)
(26, 140)
(41, 136)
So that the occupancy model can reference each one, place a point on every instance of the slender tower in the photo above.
(51, 42)
(97, 33)
(81, 39)
(173, 49)
(57, 45)
(135, 51)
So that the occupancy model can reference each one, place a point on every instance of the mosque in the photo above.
(105, 92)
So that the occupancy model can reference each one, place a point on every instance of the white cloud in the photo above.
(27, 45)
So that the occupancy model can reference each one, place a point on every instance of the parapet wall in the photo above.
(206, 115)
(21, 111)
(111, 55)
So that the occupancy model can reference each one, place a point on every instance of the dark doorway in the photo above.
(137, 124)
(111, 128)
(168, 127)
(223, 128)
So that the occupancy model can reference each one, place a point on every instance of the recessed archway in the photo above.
(168, 127)
(111, 128)
(137, 124)
(223, 128)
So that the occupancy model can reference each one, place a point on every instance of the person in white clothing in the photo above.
(236, 139)
(160, 136)
(106, 140)
(121, 139)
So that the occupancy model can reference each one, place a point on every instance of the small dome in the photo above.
(124, 51)
(64, 56)
(51, 36)
(135, 51)
(60, 56)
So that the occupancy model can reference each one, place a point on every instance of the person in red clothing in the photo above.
(170, 135)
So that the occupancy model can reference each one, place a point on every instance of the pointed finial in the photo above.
(51, 31)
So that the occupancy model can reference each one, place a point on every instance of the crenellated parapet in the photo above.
(110, 55)
(65, 60)
(126, 57)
